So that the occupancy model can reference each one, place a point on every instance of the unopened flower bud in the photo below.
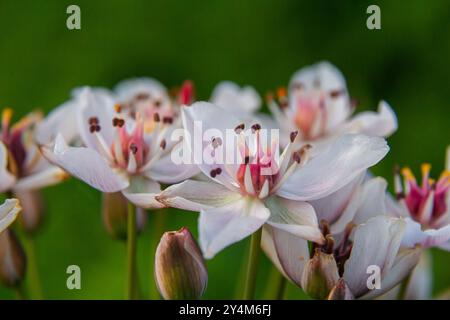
(115, 211)
(320, 275)
(12, 259)
(33, 210)
(180, 270)
(340, 291)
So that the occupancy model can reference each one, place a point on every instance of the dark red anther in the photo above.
(133, 148)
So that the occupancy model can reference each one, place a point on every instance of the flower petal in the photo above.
(331, 208)
(223, 226)
(343, 161)
(367, 202)
(127, 89)
(96, 103)
(375, 243)
(197, 195)
(298, 218)
(381, 124)
(292, 253)
(41, 179)
(143, 192)
(327, 78)
(166, 171)
(7, 180)
(60, 120)
(420, 284)
(230, 96)
(87, 165)
(426, 238)
(404, 263)
(8, 212)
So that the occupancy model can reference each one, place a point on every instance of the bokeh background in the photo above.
(257, 42)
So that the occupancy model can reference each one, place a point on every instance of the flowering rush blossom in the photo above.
(359, 237)
(23, 169)
(8, 213)
(426, 208)
(125, 145)
(318, 105)
(236, 199)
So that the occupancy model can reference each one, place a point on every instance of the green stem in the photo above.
(131, 253)
(403, 287)
(20, 292)
(159, 227)
(276, 286)
(34, 281)
(252, 266)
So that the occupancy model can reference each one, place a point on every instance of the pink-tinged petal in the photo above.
(298, 218)
(142, 192)
(95, 103)
(382, 123)
(331, 208)
(348, 157)
(48, 177)
(7, 180)
(223, 226)
(166, 171)
(367, 202)
(8, 212)
(404, 263)
(414, 234)
(375, 243)
(197, 195)
(87, 165)
(230, 96)
(292, 253)
(420, 283)
(326, 78)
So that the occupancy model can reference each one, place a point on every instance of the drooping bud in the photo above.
(12, 259)
(340, 291)
(180, 270)
(33, 210)
(115, 211)
(320, 275)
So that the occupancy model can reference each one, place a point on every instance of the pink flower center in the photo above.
(426, 202)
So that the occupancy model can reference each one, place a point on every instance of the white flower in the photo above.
(8, 213)
(22, 167)
(239, 198)
(358, 234)
(125, 145)
(319, 107)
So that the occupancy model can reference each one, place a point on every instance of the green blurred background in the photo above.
(257, 42)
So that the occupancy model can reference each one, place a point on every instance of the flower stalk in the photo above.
(131, 254)
(252, 266)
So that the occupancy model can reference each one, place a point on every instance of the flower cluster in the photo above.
(297, 182)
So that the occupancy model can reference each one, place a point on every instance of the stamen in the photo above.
(239, 128)
(215, 172)
(156, 117)
(296, 156)
(163, 144)
(256, 127)
(93, 120)
(133, 148)
(407, 173)
(293, 136)
(336, 93)
(216, 142)
(158, 103)
(94, 128)
(297, 86)
(281, 92)
(142, 96)
(118, 108)
(167, 120)
(118, 122)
